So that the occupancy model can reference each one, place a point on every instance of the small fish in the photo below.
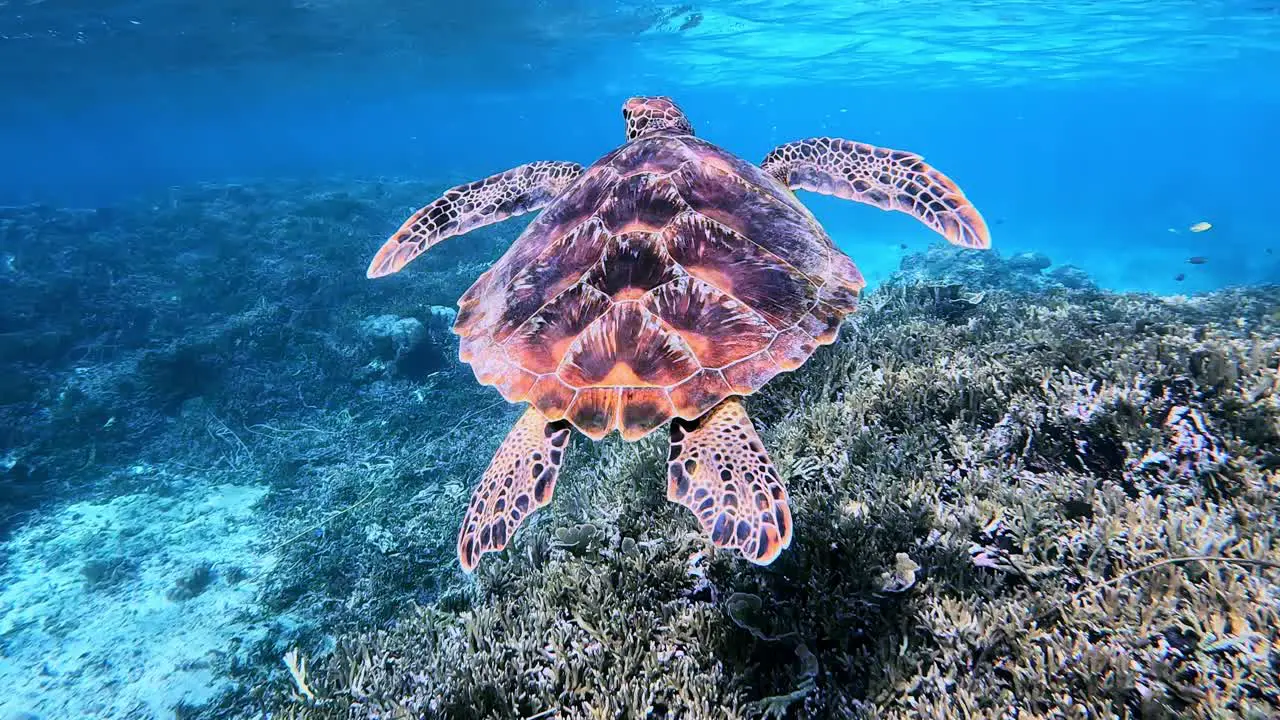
(1269, 251)
(903, 246)
(1179, 277)
(1197, 260)
(1200, 227)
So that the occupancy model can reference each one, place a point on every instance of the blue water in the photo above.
(1096, 133)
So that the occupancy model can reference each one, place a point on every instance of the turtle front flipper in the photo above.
(466, 207)
(888, 179)
(718, 468)
(519, 480)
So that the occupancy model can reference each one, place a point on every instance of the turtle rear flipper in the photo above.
(461, 209)
(519, 480)
(718, 468)
(888, 179)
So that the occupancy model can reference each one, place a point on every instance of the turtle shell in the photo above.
(670, 276)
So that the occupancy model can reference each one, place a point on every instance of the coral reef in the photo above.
(212, 337)
(235, 469)
(981, 499)
(944, 265)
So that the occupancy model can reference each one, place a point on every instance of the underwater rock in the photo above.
(1029, 262)
(942, 264)
(392, 336)
(403, 345)
(443, 315)
(1072, 277)
(629, 547)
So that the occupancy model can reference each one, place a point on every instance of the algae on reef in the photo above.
(983, 471)
(219, 337)
(979, 491)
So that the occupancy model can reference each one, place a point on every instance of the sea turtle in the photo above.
(662, 284)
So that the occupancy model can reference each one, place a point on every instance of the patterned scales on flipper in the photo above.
(519, 480)
(466, 207)
(670, 276)
(718, 468)
(887, 179)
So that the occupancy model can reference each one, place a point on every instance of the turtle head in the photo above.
(650, 114)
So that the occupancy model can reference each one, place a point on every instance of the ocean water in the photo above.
(1096, 133)
(206, 404)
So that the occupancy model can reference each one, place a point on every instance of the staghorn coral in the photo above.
(599, 641)
(204, 337)
(980, 527)
(1035, 458)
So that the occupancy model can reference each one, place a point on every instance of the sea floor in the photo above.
(125, 607)
(252, 450)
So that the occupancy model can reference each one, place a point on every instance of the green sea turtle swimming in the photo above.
(662, 284)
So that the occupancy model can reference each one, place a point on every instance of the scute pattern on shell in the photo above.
(668, 277)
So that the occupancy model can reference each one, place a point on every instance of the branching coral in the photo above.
(297, 667)
(984, 483)
(993, 515)
(996, 495)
